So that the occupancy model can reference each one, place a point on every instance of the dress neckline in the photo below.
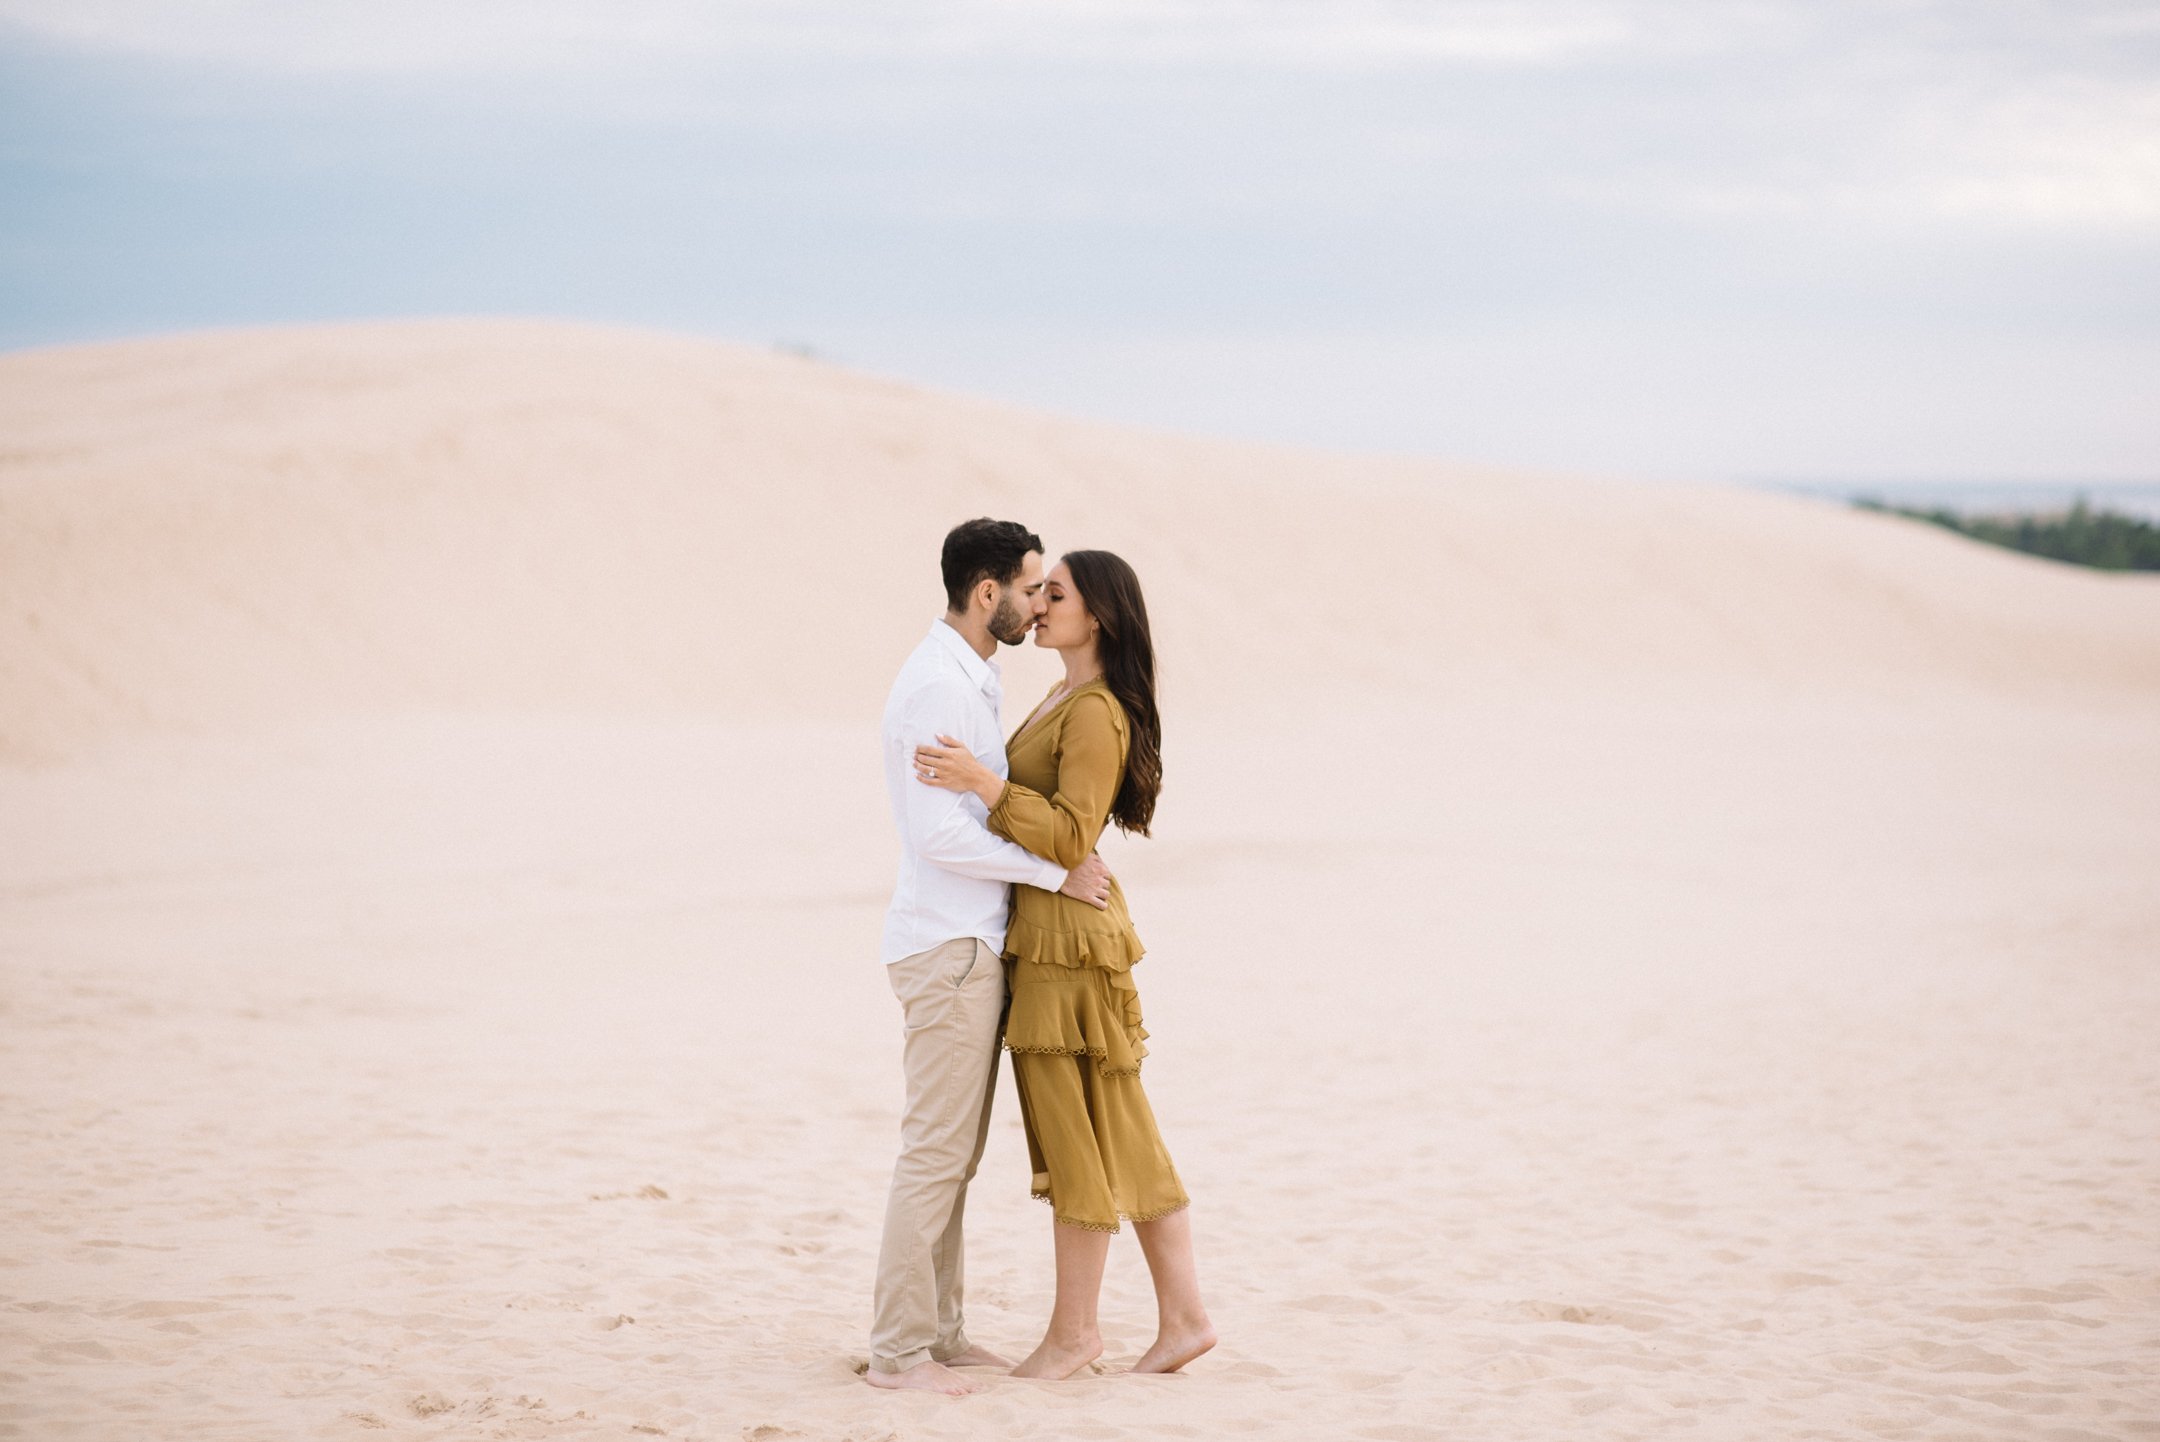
(1038, 716)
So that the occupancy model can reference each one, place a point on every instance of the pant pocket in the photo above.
(966, 969)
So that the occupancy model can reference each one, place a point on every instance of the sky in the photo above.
(1698, 239)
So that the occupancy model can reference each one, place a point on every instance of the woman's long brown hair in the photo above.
(1111, 593)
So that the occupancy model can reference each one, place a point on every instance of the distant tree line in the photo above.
(2080, 535)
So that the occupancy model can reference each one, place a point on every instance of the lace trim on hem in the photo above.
(1099, 1053)
(1112, 1227)
(1158, 1214)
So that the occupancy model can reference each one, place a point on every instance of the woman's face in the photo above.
(1066, 623)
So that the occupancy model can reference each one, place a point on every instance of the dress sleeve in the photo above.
(941, 826)
(1091, 764)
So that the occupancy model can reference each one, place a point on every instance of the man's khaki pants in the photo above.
(953, 1000)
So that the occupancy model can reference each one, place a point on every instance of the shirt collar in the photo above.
(981, 674)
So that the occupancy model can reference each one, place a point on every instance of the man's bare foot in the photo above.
(1058, 1358)
(1175, 1347)
(923, 1377)
(979, 1357)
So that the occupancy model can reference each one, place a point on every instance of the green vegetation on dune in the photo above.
(2080, 535)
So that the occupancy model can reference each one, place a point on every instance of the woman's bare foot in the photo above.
(923, 1377)
(1059, 1357)
(1175, 1346)
(979, 1357)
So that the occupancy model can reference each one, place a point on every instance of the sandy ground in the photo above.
(1623, 961)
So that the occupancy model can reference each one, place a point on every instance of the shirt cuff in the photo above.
(1051, 878)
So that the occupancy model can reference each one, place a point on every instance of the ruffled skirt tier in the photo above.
(1077, 1043)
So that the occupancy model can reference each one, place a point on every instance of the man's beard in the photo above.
(1009, 623)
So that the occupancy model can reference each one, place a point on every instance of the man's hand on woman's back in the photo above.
(1089, 882)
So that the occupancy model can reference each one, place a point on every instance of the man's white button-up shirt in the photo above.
(955, 873)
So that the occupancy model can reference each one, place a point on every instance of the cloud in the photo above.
(2070, 154)
(1837, 113)
(2089, 157)
(515, 35)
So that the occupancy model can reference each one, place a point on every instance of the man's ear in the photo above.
(986, 591)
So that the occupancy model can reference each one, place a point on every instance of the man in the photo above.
(943, 934)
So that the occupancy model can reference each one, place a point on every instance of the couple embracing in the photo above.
(1005, 927)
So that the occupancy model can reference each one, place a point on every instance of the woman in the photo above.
(1090, 754)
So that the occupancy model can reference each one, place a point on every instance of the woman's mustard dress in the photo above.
(1074, 1028)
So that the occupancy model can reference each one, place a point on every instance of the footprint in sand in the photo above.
(1588, 1316)
(1393, 1286)
(2074, 1292)
(1516, 1368)
(1941, 1357)
(1794, 1281)
(171, 1309)
(1254, 1369)
(2016, 1312)
(1338, 1305)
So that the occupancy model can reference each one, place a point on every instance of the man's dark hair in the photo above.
(983, 548)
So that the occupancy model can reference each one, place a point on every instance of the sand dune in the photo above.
(225, 530)
(1625, 960)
